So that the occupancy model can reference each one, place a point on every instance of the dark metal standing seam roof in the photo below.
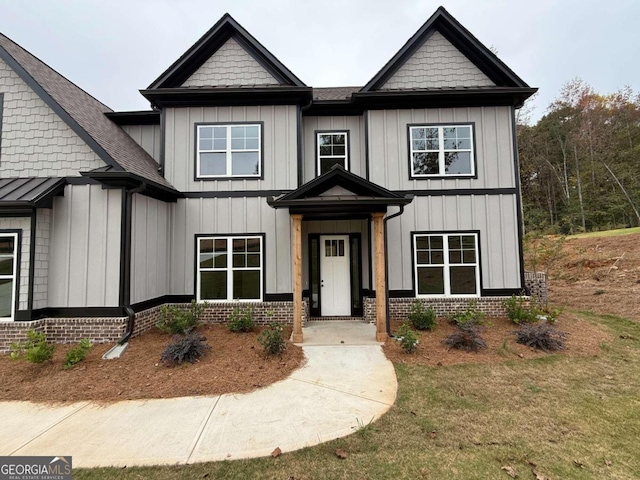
(29, 192)
(112, 144)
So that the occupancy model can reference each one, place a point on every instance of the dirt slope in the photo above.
(601, 274)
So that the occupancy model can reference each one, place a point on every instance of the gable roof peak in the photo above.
(446, 24)
(224, 29)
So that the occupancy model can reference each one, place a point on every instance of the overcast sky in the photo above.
(113, 48)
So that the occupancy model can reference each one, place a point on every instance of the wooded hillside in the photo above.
(580, 163)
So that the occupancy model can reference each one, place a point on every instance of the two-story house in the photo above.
(244, 184)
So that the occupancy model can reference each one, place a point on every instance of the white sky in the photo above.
(113, 48)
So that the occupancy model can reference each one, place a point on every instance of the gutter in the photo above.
(386, 266)
(131, 322)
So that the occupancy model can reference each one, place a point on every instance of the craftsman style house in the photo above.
(244, 184)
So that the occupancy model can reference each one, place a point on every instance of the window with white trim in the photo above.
(441, 150)
(229, 151)
(446, 264)
(332, 149)
(230, 268)
(8, 272)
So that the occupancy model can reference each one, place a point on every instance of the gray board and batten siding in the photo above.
(353, 124)
(147, 136)
(279, 147)
(389, 147)
(84, 249)
(151, 235)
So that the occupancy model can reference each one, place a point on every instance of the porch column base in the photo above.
(381, 337)
(297, 338)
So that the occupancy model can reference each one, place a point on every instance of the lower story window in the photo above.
(8, 268)
(230, 268)
(446, 264)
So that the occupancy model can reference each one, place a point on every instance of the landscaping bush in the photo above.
(241, 319)
(519, 313)
(466, 338)
(177, 320)
(541, 336)
(184, 348)
(421, 317)
(469, 316)
(408, 338)
(271, 339)
(77, 353)
(35, 348)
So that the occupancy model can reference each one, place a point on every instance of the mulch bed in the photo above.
(236, 363)
(584, 339)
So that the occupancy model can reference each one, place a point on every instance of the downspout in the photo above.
(386, 266)
(126, 301)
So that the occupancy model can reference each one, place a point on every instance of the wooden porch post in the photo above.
(381, 293)
(297, 277)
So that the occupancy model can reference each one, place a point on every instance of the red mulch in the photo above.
(236, 363)
(584, 339)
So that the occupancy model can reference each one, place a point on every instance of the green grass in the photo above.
(607, 233)
(566, 415)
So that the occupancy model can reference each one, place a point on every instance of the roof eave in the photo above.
(130, 180)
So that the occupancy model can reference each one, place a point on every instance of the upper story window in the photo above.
(333, 148)
(442, 150)
(229, 151)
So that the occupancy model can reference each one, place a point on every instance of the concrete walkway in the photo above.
(339, 386)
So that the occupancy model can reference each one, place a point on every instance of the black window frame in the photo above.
(440, 175)
(347, 133)
(196, 152)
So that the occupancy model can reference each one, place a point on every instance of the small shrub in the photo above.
(520, 313)
(35, 348)
(77, 353)
(408, 338)
(541, 336)
(421, 317)
(466, 338)
(241, 319)
(184, 348)
(469, 316)
(599, 292)
(177, 320)
(271, 339)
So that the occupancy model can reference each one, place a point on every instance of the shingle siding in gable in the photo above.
(230, 65)
(437, 63)
(35, 141)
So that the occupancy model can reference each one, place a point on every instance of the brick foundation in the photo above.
(64, 330)
(536, 283)
(399, 308)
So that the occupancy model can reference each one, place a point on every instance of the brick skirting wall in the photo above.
(399, 308)
(536, 283)
(64, 330)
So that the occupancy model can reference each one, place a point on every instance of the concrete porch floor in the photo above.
(339, 333)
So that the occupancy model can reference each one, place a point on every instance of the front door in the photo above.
(335, 281)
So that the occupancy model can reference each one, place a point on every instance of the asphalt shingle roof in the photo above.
(89, 114)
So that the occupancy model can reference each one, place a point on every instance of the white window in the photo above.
(229, 151)
(332, 149)
(441, 150)
(8, 269)
(230, 268)
(446, 264)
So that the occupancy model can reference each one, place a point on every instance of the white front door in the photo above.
(335, 283)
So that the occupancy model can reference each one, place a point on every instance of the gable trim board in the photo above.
(211, 42)
(462, 39)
